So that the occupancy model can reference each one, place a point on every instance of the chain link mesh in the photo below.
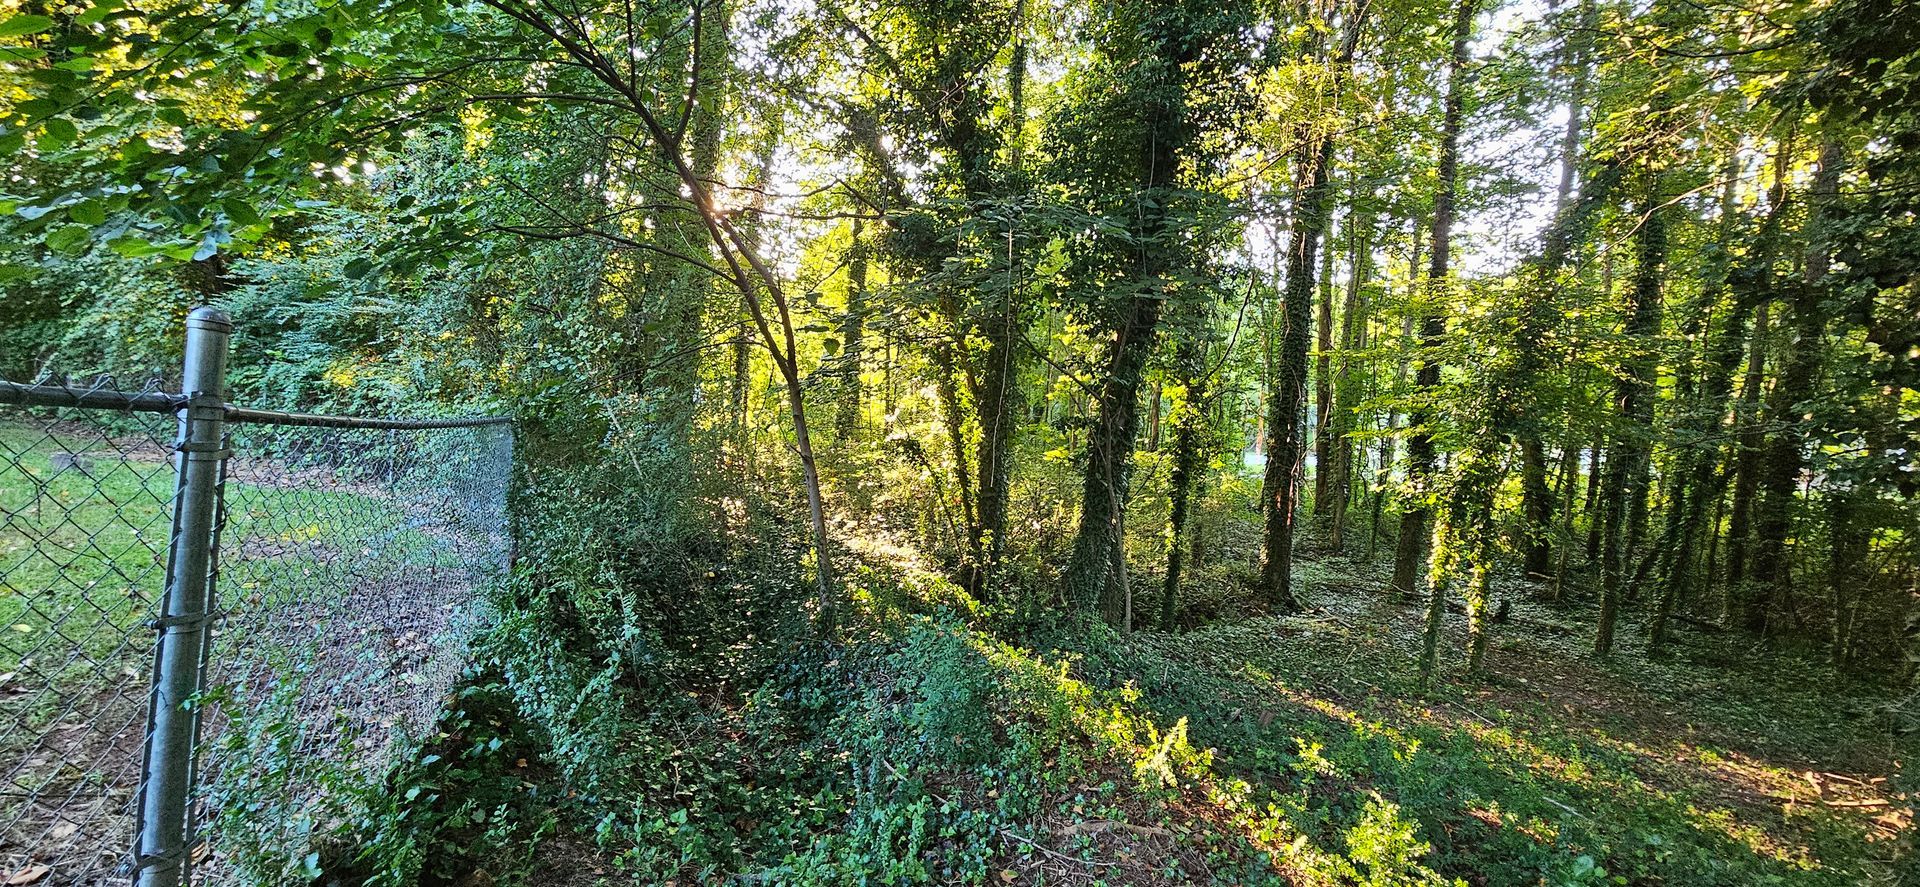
(349, 571)
(350, 567)
(85, 502)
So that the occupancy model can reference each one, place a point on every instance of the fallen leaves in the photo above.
(30, 875)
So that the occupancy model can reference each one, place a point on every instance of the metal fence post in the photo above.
(160, 845)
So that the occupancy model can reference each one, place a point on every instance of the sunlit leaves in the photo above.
(24, 25)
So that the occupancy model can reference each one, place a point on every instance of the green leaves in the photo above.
(23, 25)
(58, 132)
(69, 239)
(88, 212)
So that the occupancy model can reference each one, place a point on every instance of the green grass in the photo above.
(82, 552)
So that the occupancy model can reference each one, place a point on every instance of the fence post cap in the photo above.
(207, 317)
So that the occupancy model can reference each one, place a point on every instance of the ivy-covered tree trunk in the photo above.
(999, 407)
(1401, 367)
(1748, 442)
(1536, 500)
(1700, 479)
(1783, 457)
(1091, 579)
(1346, 393)
(946, 370)
(1422, 458)
(1323, 379)
(1286, 417)
(1627, 464)
(1190, 427)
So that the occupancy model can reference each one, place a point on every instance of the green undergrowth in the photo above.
(925, 746)
(1550, 769)
(918, 751)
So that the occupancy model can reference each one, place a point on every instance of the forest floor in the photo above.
(1721, 761)
(1283, 750)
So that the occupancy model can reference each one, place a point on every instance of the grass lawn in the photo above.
(82, 567)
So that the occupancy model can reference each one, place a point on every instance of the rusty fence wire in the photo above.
(345, 564)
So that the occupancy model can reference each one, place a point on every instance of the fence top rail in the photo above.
(61, 394)
(311, 420)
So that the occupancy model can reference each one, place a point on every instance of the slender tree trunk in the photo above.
(1000, 403)
(1705, 413)
(1783, 459)
(1286, 419)
(1592, 506)
(1633, 393)
(1536, 500)
(1323, 378)
(1421, 455)
(1420, 449)
(1746, 472)
(852, 336)
(1400, 371)
(1189, 429)
(1001, 400)
(946, 386)
(1848, 548)
(1344, 401)
(1569, 481)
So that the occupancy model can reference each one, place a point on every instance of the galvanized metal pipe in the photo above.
(161, 844)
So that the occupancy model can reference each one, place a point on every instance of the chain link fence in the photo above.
(155, 734)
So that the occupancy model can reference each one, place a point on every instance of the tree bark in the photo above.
(1189, 430)
(1704, 414)
(1421, 455)
(1783, 457)
(1536, 501)
(1746, 471)
(1323, 378)
(1091, 580)
(1627, 465)
(1346, 393)
(852, 340)
(1287, 406)
(1286, 416)
(1420, 449)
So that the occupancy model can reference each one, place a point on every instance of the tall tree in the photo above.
(1286, 421)
(1422, 458)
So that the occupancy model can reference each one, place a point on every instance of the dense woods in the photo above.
(979, 419)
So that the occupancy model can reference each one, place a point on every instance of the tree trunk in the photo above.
(1189, 429)
(1346, 393)
(852, 340)
(1536, 501)
(1704, 414)
(1286, 418)
(1746, 470)
(946, 386)
(1323, 378)
(1421, 455)
(1627, 466)
(1848, 547)
(1000, 403)
(1783, 458)
(1421, 449)
(1569, 481)
(1091, 580)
